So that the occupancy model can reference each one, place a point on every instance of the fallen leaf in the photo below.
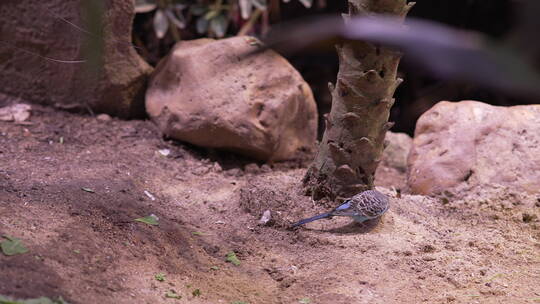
(172, 295)
(41, 300)
(150, 220)
(12, 246)
(231, 258)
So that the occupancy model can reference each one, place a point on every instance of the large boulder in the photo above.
(32, 30)
(210, 94)
(467, 144)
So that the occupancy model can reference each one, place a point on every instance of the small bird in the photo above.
(364, 206)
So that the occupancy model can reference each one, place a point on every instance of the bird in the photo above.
(363, 206)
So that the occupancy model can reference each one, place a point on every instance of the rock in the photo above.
(103, 117)
(396, 151)
(391, 172)
(119, 87)
(18, 112)
(204, 93)
(467, 144)
(265, 218)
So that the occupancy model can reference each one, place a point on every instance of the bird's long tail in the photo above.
(311, 219)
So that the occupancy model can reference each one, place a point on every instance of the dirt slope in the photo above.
(85, 246)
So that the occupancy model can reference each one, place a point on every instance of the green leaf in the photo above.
(161, 24)
(219, 25)
(214, 268)
(160, 277)
(260, 4)
(87, 190)
(197, 233)
(231, 258)
(196, 293)
(211, 14)
(12, 246)
(150, 220)
(304, 301)
(202, 25)
(245, 8)
(306, 3)
(42, 300)
(172, 295)
(144, 6)
(198, 9)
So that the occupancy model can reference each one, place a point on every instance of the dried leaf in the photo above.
(161, 24)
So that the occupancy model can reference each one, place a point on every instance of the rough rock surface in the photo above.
(396, 151)
(204, 93)
(36, 26)
(392, 170)
(464, 145)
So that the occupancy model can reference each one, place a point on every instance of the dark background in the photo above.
(417, 93)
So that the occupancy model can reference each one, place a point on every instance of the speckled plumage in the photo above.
(364, 206)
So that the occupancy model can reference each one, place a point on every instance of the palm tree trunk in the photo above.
(352, 143)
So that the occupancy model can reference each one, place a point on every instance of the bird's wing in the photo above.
(344, 210)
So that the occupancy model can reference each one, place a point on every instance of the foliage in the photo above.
(42, 300)
(150, 220)
(12, 246)
(233, 259)
(209, 17)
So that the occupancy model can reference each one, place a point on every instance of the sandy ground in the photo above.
(87, 248)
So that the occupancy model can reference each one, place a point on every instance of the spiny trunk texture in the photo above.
(352, 144)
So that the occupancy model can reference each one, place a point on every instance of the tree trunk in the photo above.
(352, 143)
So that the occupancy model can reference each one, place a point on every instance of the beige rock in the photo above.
(18, 112)
(35, 26)
(396, 151)
(205, 94)
(471, 144)
(391, 172)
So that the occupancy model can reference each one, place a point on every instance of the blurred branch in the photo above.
(248, 26)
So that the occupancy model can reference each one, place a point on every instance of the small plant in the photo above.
(231, 258)
(160, 277)
(211, 18)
